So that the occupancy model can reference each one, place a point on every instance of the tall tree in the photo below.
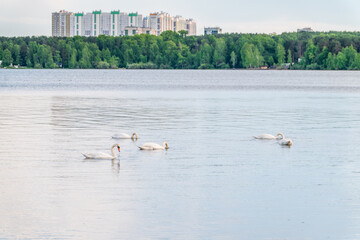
(280, 53)
(233, 59)
(7, 58)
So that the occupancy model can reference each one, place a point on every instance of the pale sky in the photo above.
(33, 17)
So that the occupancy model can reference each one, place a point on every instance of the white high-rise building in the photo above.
(68, 24)
(96, 23)
(146, 22)
(124, 22)
(191, 27)
(115, 23)
(79, 24)
(135, 20)
(105, 24)
(88, 25)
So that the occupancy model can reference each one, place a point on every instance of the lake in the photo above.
(215, 181)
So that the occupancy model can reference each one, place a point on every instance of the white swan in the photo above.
(102, 155)
(286, 142)
(126, 136)
(154, 146)
(270, 137)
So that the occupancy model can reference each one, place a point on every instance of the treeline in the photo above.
(170, 50)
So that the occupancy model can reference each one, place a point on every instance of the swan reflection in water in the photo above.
(115, 166)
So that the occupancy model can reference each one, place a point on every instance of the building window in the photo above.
(77, 26)
(113, 33)
(95, 33)
(77, 33)
(126, 32)
(113, 26)
(77, 19)
(134, 32)
(147, 32)
(95, 18)
(95, 26)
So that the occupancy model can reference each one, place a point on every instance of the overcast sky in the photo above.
(33, 17)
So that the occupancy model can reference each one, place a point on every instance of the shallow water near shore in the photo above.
(215, 181)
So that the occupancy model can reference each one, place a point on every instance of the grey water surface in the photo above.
(215, 181)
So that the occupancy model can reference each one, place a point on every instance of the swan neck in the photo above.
(112, 151)
(165, 145)
(134, 136)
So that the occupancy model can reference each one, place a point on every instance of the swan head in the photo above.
(166, 145)
(280, 136)
(134, 136)
(290, 143)
(118, 147)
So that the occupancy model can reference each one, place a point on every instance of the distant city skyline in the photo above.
(28, 18)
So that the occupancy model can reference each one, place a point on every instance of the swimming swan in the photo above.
(270, 137)
(154, 146)
(286, 142)
(133, 137)
(102, 155)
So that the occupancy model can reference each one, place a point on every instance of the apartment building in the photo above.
(124, 22)
(63, 24)
(212, 30)
(146, 22)
(191, 27)
(131, 31)
(161, 22)
(179, 24)
(79, 24)
(114, 23)
(96, 23)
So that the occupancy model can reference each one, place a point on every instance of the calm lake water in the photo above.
(215, 182)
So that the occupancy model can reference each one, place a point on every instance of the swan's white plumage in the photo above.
(125, 136)
(269, 136)
(101, 155)
(153, 146)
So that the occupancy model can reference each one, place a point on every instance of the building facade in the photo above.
(191, 27)
(161, 22)
(179, 24)
(114, 23)
(131, 31)
(79, 24)
(63, 24)
(96, 23)
(212, 30)
(146, 22)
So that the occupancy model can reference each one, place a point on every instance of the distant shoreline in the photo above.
(170, 50)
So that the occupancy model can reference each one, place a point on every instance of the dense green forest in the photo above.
(170, 50)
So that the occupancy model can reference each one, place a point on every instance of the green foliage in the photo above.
(171, 50)
(251, 56)
(148, 65)
(289, 57)
(7, 58)
(280, 54)
(233, 59)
